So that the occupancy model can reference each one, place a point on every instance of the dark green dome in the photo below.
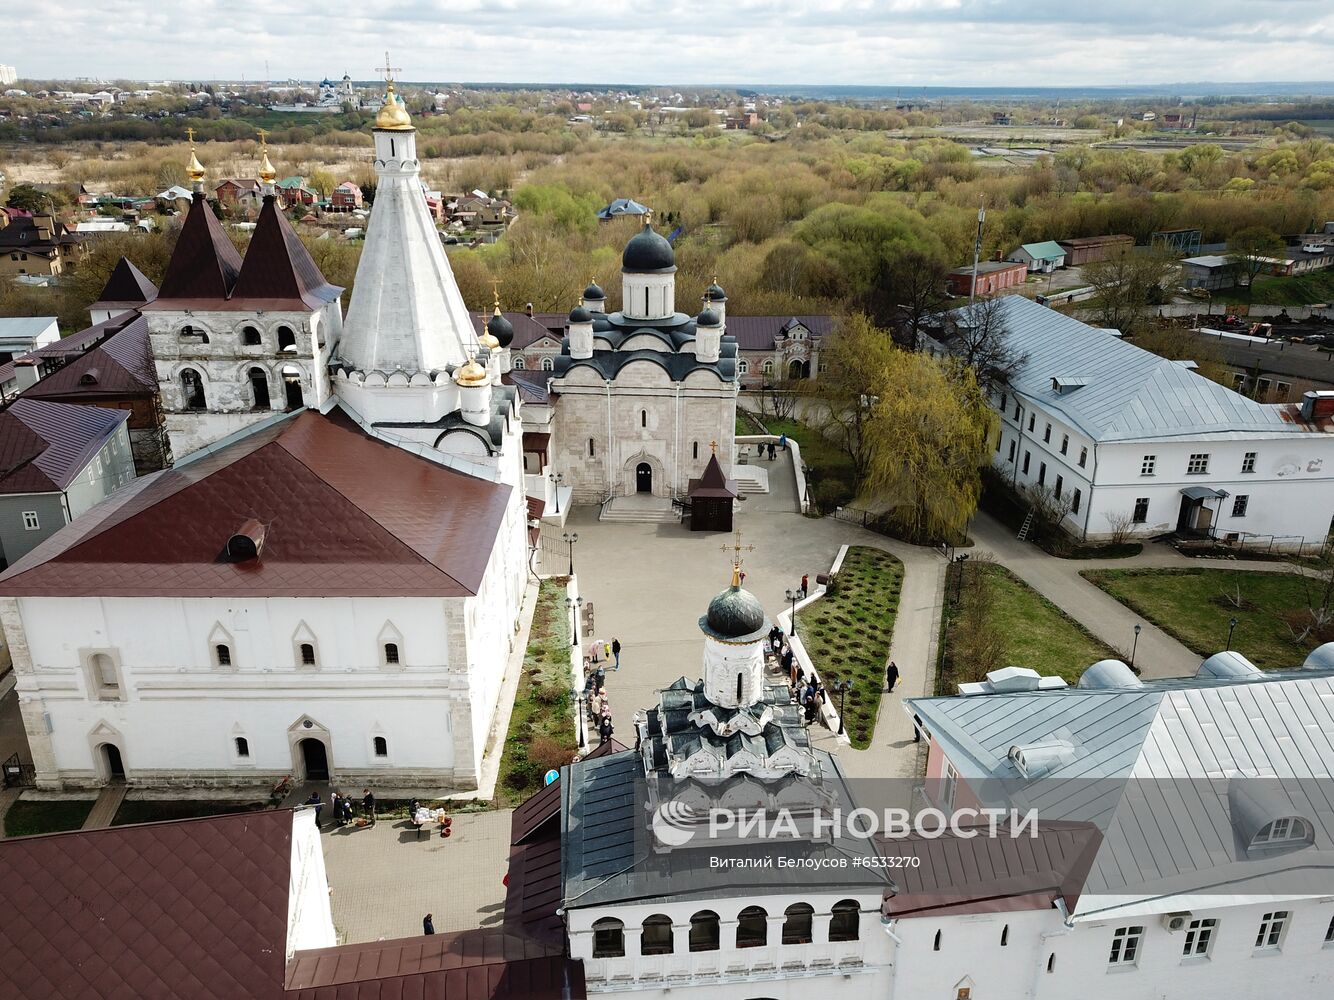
(648, 250)
(580, 315)
(594, 292)
(734, 614)
(715, 293)
(708, 318)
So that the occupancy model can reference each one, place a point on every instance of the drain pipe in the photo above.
(1066, 927)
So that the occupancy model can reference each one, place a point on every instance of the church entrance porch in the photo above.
(314, 759)
(643, 478)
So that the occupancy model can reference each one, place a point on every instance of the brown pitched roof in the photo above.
(758, 333)
(527, 330)
(278, 268)
(389, 523)
(127, 286)
(122, 365)
(204, 264)
(713, 483)
(195, 908)
(470, 965)
(45, 446)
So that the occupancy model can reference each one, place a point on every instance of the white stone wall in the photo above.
(648, 296)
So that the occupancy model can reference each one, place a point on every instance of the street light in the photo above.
(569, 538)
(574, 605)
(958, 582)
(557, 478)
(579, 701)
(1232, 623)
(1134, 646)
(793, 596)
(842, 687)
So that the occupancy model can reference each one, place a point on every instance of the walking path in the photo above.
(107, 805)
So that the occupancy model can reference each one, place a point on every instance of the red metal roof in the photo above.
(122, 365)
(45, 446)
(757, 333)
(346, 515)
(204, 264)
(278, 267)
(713, 483)
(194, 908)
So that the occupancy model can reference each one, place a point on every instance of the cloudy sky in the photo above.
(741, 42)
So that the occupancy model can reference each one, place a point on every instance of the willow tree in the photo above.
(927, 439)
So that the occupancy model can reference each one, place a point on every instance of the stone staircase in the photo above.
(750, 479)
(640, 508)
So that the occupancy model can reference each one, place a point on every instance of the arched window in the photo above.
(222, 654)
(1051, 962)
(769, 367)
(187, 331)
(242, 747)
(190, 331)
(694, 449)
(259, 387)
(742, 366)
(286, 339)
(546, 364)
(656, 936)
(1005, 935)
(308, 654)
(518, 364)
(391, 652)
(740, 681)
(608, 938)
(381, 746)
(590, 447)
(752, 928)
(192, 388)
(643, 418)
(843, 923)
(250, 336)
(935, 946)
(797, 922)
(704, 931)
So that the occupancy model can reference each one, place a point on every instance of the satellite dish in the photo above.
(550, 776)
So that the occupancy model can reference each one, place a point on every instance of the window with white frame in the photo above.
(1046, 435)
(1125, 945)
(1280, 831)
(1270, 935)
(1199, 938)
(547, 364)
(1141, 513)
(1197, 464)
(1148, 465)
(30, 521)
(1065, 443)
(1248, 461)
(743, 367)
(949, 783)
(518, 363)
(768, 367)
(1239, 504)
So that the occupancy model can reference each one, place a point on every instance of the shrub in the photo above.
(547, 752)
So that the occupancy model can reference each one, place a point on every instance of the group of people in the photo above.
(609, 651)
(595, 679)
(808, 692)
(341, 806)
(769, 448)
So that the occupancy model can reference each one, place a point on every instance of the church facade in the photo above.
(329, 582)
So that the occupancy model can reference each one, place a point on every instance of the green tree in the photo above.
(843, 397)
(28, 198)
(1251, 249)
(1126, 283)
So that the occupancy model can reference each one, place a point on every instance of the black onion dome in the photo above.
(594, 292)
(500, 328)
(708, 318)
(648, 250)
(734, 614)
(580, 315)
(715, 293)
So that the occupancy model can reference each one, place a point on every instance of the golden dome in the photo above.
(471, 375)
(266, 171)
(194, 168)
(488, 340)
(392, 115)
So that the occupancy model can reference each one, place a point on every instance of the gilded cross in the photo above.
(263, 137)
(713, 447)
(495, 291)
(736, 548)
(190, 134)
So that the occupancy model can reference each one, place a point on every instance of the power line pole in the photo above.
(977, 252)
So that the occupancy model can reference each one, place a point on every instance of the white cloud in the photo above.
(747, 42)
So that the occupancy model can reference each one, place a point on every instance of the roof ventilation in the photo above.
(247, 542)
(1036, 759)
(1061, 384)
(1265, 818)
(1228, 663)
(89, 377)
(1012, 679)
(1108, 674)
(1320, 658)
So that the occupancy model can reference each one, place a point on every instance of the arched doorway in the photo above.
(115, 767)
(292, 387)
(799, 369)
(314, 759)
(259, 388)
(643, 478)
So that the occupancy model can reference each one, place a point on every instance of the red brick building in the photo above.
(992, 277)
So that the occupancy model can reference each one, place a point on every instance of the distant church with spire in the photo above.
(329, 582)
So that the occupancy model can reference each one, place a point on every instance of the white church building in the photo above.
(330, 581)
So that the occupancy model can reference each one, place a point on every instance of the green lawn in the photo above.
(1191, 605)
(1037, 634)
(1298, 290)
(157, 811)
(847, 634)
(541, 732)
(26, 818)
(833, 480)
(745, 423)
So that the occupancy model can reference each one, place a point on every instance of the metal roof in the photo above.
(45, 446)
(1046, 250)
(25, 327)
(1130, 394)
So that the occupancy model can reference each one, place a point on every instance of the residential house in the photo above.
(21, 334)
(1086, 249)
(484, 210)
(58, 461)
(293, 191)
(1209, 271)
(36, 245)
(620, 207)
(1041, 257)
(993, 276)
(1128, 442)
(239, 192)
(173, 199)
(1181, 842)
(1270, 371)
(744, 121)
(346, 197)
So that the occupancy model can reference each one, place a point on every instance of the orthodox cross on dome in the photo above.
(713, 447)
(388, 71)
(495, 291)
(736, 548)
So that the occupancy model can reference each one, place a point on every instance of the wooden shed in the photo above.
(712, 497)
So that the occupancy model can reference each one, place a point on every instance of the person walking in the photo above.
(916, 728)
(782, 441)
(597, 651)
(892, 675)
(317, 801)
(805, 583)
(616, 652)
(333, 807)
(428, 924)
(773, 451)
(368, 804)
(605, 730)
(599, 678)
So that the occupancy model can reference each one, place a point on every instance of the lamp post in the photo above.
(1231, 624)
(556, 479)
(574, 605)
(793, 596)
(579, 708)
(958, 581)
(1134, 646)
(569, 538)
(842, 687)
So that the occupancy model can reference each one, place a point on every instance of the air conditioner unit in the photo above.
(1176, 921)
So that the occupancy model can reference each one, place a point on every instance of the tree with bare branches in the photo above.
(979, 336)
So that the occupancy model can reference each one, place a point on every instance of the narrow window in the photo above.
(391, 148)
(797, 922)
(1083, 457)
(1074, 502)
(1329, 932)
(739, 680)
(391, 652)
(1027, 456)
(192, 388)
(1016, 413)
(1051, 962)
(259, 388)
(1011, 455)
(608, 938)
(1057, 490)
(381, 747)
(307, 654)
(1141, 510)
(694, 449)
(242, 747)
(224, 654)
(1046, 435)
(949, 781)
(643, 418)
(1065, 443)
(936, 944)
(844, 922)
(1042, 473)
(1004, 403)
(590, 447)
(1239, 505)
(31, 521)
(646, 313)
(1032, 421)
(1005, 935)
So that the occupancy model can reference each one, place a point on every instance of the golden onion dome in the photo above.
(471, 374)
(194, 168)
(266, 171)
(488, 340)
(392, 114)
